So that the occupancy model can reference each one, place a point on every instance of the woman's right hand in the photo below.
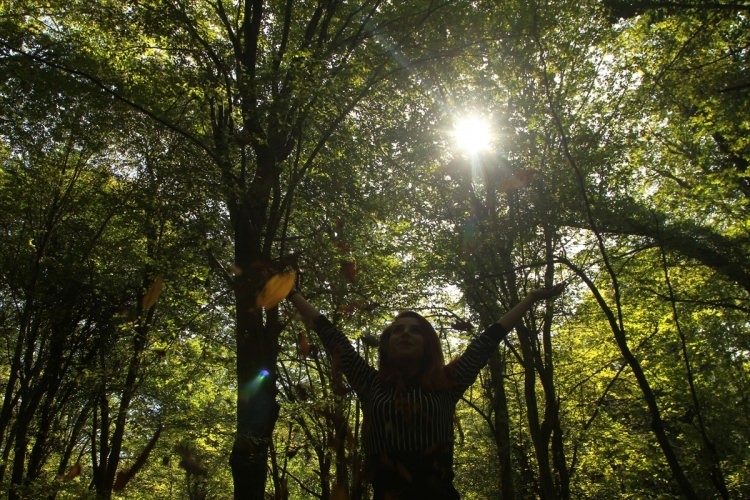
(547, 293)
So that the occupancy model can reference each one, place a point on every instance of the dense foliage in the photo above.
(160, 161)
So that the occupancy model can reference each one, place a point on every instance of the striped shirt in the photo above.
(413, 421)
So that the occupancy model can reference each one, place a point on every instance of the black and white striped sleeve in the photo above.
(357, 371)
(466, 368)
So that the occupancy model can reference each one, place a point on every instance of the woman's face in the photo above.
(406, 343)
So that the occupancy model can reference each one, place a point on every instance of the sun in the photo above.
(472, 134)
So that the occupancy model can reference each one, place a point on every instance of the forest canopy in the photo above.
(170, 169)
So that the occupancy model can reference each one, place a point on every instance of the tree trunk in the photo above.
(502, 426)
(657, 424)
(109, 466)
(257, 409)
(539, 431)
(257, 352)
(547, 376)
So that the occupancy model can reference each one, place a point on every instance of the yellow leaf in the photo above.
(153, 293)
(275, 290)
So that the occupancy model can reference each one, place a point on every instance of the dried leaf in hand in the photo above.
(153, 293)
(275, 290)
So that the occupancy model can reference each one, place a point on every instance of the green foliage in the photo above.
(144, 139)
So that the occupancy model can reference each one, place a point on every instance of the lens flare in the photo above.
(249, 389)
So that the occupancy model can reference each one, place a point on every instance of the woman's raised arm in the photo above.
(511, 318)
(358, 372)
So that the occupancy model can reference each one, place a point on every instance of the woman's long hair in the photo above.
(432, 372)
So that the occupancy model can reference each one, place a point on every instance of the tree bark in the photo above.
(499, 401)
(257, 353)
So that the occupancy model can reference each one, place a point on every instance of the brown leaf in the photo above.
(304, 344)
(302, 393)
(189, 462)
(72, 473)
(348, 308)
(338, 492)
(275, 290)
(462, 326)
(123, 478)
(404, 472)
(517, 180)
(349, 270)
(153, 293)
(370, 340)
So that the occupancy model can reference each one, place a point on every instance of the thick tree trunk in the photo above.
(257, 409)
(257, 352)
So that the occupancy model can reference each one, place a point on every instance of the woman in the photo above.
(409, 402)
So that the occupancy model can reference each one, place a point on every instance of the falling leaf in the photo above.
(276, 289)
(304, 344)
(189, 462)
(370, 340)
(72, 473)
(302, 393)
(349, 270)
(403, 472)
(348, 308)
(153, 293)
(122, 479)
(338, 492)
(462, 326)
(517, 180)
(371, 306)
